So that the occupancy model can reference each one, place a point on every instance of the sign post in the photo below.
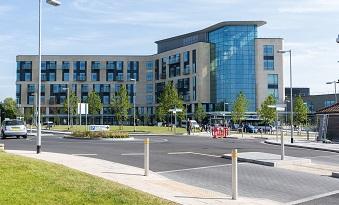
(83, 110)
(174, 111)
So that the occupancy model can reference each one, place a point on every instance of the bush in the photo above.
(103, 134)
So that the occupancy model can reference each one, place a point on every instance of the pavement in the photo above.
(307, 145)
(268, 159)
(133, 177)
(196, 161)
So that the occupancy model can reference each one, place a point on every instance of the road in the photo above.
(196, 161)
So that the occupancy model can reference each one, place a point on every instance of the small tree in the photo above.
(169, 99)
(239, 108)
(10, 108)
(266, 113)
(73, 105)
(199, 113)
(94, 104)
(300, 110)
(120, 105)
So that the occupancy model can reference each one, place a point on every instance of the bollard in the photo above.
(2, 147)
(282, 146)
(146, 156)
(242, 132)
(234, 174)
(308, 135)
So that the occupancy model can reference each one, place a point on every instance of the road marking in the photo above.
(196, 153)
(196, 168)
(132, 154)
(313, 197)
(84, 154)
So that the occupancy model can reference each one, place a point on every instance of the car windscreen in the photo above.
(13, 122)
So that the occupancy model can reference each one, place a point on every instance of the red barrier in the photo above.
(220, 132)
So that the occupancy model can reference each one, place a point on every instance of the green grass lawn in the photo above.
(29, 181)
(146, 129)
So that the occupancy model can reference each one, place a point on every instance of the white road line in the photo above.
(196, 153)
(196, 168)
(132, 154)
(313, 197)
(180, 153)
(85, 154)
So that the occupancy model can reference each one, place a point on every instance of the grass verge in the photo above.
(29, 181)
(145, 129)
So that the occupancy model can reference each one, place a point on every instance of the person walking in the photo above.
(188, 127)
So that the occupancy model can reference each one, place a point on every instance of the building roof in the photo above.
(216, 26)
(330, 109)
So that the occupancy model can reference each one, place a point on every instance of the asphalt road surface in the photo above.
(196, 161)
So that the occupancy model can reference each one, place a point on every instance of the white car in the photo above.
(13, 128)
(194, 124)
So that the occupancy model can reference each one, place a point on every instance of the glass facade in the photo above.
(272, 86)
(233, 64)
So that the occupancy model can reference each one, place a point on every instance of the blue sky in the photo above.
(309, 28)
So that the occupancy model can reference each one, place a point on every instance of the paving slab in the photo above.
(335, 174)
(308, 145)
(154, 184)
(268, 159)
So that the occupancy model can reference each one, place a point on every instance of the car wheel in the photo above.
(18, 137)
(25, 136)
(3, 136)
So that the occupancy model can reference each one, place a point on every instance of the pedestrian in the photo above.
(188, 127)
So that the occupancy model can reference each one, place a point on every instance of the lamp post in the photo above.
(279, 108)
(291, 99)
(53, 3)
(335, 89)
(68, 118)
(134, 98)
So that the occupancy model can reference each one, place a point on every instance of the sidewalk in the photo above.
(154, 184)
(307, 144)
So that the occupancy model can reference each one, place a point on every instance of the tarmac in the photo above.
(133, 177)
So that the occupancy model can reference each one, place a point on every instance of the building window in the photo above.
(65, 65)
(194, 61)
(149, 99)
(24, 71)
(329, 103)
(149, 88)
(133, 70)
(149, 70)
(268, 57)
(272, 85)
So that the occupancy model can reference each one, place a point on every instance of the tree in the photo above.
(169, 99)
(239, 108)
(267, 114)
(94, 104)
(10, 108)
(300, 110)
(73, 105)
(199, 113)
(120, 105)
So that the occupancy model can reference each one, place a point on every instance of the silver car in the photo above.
(13, 128)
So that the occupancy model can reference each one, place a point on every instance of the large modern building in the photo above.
(210, 66)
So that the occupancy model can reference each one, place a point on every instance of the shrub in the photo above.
(103, 134)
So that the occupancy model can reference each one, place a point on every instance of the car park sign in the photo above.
(98, 128)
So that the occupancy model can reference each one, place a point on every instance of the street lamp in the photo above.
(53, 3)
(279, 108)
(68, 112)
(134, 98)
(335, 89)
(291, 99)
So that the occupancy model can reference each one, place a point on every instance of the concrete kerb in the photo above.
(302, 146)
(104, 139)
(154, 184)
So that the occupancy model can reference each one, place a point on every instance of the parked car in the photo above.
(13, 128)
(250, 129)
(194, 124)
(266, 128)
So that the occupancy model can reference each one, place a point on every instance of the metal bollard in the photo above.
(146, 156)
(242, 132)
(282, 146)
(2, 147)
(308, 135)
(234, 174)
